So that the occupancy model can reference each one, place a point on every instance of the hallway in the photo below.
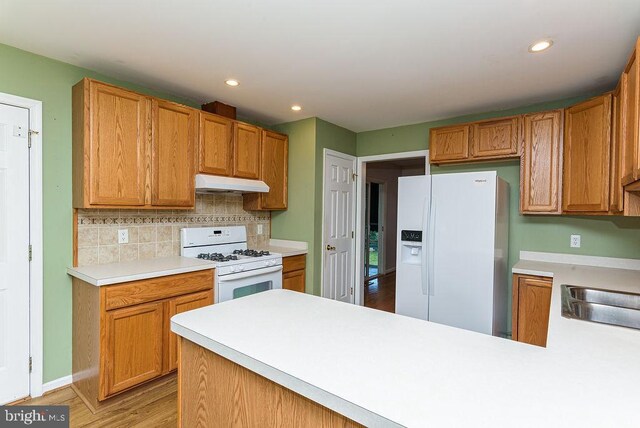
(380, 293)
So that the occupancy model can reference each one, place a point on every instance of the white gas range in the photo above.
(239, 270)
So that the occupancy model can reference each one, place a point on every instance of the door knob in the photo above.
(330, 248)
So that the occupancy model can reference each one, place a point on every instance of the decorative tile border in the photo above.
(85, 219)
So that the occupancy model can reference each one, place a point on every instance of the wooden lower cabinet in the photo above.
(121, 333)
(531, 305)
(293, 272)
(132, 347)
(176, 306)
(294, 280)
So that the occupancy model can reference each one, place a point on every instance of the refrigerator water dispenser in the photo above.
(411, 253)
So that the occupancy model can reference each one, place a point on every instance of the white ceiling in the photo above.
(362, 64)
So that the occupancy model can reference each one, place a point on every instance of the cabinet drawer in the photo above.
(147, 290)
(294, 263)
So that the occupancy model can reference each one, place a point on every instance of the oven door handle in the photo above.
(255, 272)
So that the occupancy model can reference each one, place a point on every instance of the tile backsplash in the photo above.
(157, 233)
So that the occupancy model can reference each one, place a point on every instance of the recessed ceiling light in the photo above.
(232, 82)
(540, 46)
(296, 107)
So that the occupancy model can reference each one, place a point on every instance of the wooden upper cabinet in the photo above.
(540, 173)
(133, 346)
(246, 153)
(274, 164)
(110, 140)
(449, 144)
(175, 133)
(274, 167)
(131, 151)
(496, 138)
(616, 194)
(630, 112)
(587, 146)
(531, 306)
(216, 145)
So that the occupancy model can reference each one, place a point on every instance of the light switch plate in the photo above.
(123, 236)
(575, 241)
(260, 231)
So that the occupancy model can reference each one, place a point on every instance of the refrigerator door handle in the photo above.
(431, 252)
(423, 263)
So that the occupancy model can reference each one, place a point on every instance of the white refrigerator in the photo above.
(453, 250)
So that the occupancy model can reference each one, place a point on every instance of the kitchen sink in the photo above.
(601, 306)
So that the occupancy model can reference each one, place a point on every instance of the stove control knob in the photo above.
(240, 268)
(232, 268)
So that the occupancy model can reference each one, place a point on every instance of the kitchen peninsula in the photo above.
(340, 364)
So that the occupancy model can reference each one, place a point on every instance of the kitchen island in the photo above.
(379, 369)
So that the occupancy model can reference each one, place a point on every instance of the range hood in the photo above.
(214, 183)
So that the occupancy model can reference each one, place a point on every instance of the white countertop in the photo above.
(287, 248)
(382, 369)
(116, 273)
(591, 341)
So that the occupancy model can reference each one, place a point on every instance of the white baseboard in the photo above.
(57, 383)
(390, 270)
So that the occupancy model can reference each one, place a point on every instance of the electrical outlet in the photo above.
(575, 241)
(260, 231)
(123, 236)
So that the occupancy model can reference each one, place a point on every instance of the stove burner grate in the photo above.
(251, 253)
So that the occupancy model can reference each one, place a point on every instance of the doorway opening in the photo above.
(374, 230)
(377, 228)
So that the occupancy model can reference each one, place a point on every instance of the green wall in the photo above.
(303, 220)
(296, 223)
(33, 76)
(601, 235)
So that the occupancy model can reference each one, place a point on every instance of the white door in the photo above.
(338, 232)
(14, 253)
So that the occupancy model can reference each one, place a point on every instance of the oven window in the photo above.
(251, 289)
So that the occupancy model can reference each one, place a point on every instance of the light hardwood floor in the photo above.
(158, 408)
